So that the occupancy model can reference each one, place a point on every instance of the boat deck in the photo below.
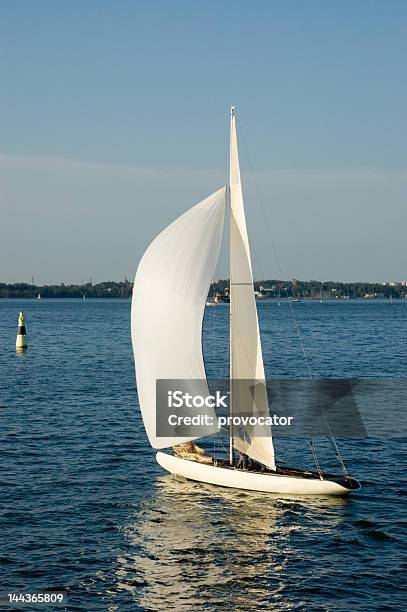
(344, 481)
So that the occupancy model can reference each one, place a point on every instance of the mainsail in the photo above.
(249, 393)
(169, 296)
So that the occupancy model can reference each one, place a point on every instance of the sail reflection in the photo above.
(193, 545)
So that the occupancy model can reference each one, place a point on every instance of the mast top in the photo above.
(232, 111)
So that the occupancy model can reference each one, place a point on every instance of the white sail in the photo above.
(169, 296)
(245, 353)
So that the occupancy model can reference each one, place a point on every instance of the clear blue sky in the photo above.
(114, 119)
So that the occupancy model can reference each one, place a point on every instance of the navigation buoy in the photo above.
(21, 340)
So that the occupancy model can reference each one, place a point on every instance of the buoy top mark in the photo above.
(21, 318)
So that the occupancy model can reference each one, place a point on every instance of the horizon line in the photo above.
(260, 280)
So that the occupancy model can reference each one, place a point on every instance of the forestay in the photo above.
(169, 296)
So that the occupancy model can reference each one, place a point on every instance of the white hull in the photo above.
(251, 481)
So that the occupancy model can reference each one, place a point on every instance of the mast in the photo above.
(232, 120)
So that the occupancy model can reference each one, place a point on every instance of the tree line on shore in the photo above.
(269, 288)
(109, 289)
(314, 289)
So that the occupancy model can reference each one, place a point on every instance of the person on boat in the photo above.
(242, 462)
(256, 466)
(189, 450)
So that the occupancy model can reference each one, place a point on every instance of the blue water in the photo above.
(85, 507)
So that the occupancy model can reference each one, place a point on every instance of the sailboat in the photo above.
(167, 343)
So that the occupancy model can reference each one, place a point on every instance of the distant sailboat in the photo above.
(39, 296)
(167, 344)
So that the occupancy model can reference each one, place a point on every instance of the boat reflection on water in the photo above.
(192, 545)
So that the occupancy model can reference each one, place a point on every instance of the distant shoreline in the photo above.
(267, 289)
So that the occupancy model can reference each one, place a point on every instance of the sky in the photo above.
(114, 119)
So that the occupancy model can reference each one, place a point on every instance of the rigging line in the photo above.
(305, 355)
(215, 318)
(314, 452)
(275, 252)
(220, 440)
(267, 225)
(273, 246)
